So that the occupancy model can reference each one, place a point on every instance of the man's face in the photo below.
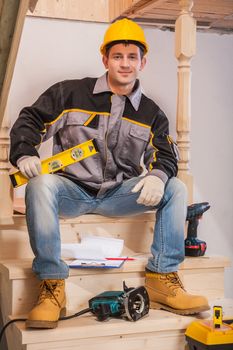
(123, 63)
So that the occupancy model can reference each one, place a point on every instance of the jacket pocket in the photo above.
(140, 132)
(134, 145)
(77, 130)
(90, 119)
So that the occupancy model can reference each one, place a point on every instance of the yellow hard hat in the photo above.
(124, 29)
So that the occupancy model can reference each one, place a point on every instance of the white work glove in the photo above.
(152, 190)
(29, 166)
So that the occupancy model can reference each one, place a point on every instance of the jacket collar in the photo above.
(101, 85)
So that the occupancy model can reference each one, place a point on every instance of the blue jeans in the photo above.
(49, 197)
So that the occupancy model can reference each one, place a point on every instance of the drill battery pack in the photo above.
(194, 247)
(202, 335)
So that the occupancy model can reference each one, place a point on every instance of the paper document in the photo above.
(93, 247)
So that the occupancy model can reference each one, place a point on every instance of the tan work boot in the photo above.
(50, 305)
(167, 292)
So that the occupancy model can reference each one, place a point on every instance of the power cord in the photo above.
(82, 312)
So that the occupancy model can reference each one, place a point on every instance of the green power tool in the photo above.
(131, 304)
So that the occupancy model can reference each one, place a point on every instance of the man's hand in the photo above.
(152, 190)
(29, 166)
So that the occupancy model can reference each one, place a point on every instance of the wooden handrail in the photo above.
(12, 17)
(185, 48)
(6, 191)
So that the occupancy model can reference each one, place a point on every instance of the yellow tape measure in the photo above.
(59, 161)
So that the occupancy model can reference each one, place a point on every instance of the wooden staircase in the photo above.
(160, 330)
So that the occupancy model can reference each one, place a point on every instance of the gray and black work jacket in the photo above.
(127, 129)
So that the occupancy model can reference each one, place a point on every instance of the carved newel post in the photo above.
(6, 191)
(185, 48)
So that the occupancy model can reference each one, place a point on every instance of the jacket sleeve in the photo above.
(31, 126)
(161, 155)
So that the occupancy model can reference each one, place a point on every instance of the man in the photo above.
(126, 126)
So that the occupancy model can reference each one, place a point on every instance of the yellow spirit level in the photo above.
(59, 161)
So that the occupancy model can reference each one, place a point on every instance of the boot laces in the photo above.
(173, 281)
(49, 290)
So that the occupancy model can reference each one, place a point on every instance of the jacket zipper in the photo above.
(106, 153)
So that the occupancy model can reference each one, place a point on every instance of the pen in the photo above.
(120, 259)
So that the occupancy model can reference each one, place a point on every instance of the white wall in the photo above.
(54, 50)
(212, 142)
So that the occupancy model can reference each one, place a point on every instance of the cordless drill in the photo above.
(193, 245)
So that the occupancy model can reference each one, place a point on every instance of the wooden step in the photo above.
(19, 286)
(136, 231)
(160, 330)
